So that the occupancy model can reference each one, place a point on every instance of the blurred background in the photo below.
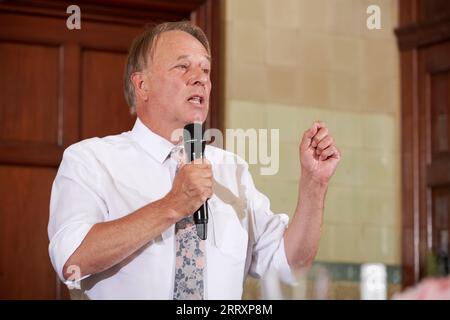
(277, 64)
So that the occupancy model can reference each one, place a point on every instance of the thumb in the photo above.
(309, 135)
(307, 139)
(181, 164)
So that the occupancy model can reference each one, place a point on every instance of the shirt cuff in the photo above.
(63, 245)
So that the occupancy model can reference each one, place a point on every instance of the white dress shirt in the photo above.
(103, 179)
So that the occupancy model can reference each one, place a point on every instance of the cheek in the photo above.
(174, 87)
(166, 89)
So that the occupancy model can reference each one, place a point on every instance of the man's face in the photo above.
(179, 78)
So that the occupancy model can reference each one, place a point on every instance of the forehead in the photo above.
(175, 43)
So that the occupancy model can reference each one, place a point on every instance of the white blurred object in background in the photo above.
(271, 286)
(322, 283)
(373, 281)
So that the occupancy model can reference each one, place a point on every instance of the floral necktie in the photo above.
(190, 252)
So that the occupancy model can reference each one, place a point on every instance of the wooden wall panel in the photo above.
(441, 219)
(103, 107)
(25, 269)
(29, 89)
(440, 99)
(433, 9)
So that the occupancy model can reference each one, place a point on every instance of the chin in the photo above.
(197, 117)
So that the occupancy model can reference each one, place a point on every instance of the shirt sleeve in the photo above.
(268, 228)
(75, 206)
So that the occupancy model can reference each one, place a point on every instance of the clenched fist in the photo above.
(319, 155)
(192, 186)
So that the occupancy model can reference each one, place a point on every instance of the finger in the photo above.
(199, 171)
(322, 133)
(330, 152)
(325, 154)
(325, 142)
(197, 161)
(309, 134)
(205, 174)
(205, 196)
(208, 183)
(208, 190)
(201, 166)
(306, 140)
(203, 185)
(180, 165)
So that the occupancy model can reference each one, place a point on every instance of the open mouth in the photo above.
(196, 99)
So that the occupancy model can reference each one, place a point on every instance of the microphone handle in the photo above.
(201, 215)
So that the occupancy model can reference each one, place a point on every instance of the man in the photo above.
(121, 207)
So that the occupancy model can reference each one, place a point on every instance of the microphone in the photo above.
(194, 147)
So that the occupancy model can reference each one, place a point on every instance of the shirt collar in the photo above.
(158, 147)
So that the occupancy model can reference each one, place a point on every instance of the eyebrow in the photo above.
(187, 56)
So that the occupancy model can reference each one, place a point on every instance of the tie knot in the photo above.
(177, 154)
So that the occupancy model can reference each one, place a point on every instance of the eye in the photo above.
(182, 66)
(206, 71)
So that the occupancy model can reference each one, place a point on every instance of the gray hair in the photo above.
(143, 45)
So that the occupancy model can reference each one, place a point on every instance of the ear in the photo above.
(140, 85)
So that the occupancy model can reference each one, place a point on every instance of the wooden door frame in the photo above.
(413, 35)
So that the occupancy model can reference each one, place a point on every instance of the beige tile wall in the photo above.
(290, 62)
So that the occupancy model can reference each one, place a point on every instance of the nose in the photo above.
(198, 77)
